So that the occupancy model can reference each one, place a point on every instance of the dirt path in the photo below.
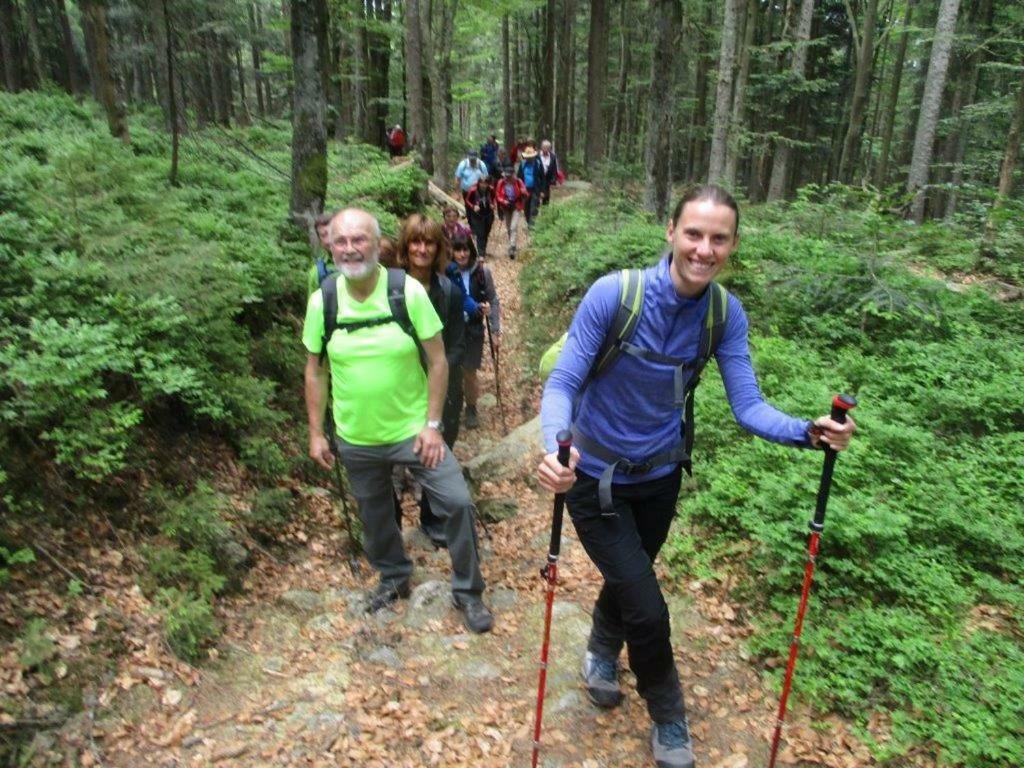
(304, 677)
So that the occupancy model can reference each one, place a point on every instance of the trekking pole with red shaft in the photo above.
(496, 358)
(550, 574)
(840, 405)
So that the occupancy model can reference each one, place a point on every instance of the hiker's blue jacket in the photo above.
(629, 409)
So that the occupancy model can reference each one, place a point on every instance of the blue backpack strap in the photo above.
(321, 271)
(711, 332)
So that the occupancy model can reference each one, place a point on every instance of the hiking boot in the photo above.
(472, 419)
(385, 593)
(671, 745)
(601, 675)
(475, 614)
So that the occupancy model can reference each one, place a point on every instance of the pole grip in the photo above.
(840, 405)
(564, 439)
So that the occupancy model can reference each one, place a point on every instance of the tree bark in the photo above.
(547, 79)
(889, 114)
(309, 140)
(506, 85)
(698, 126)
(739, 105)
(723, 94)
(597, 68)
(417, 127)
(565, 39)
(1009, 164)
(94, 19)
(619, 113)
(864, 47)
(35, 56)
(931, 101)
(67, 42)
(665, 22)
(437, 49)
(9, 45)
(380, 66)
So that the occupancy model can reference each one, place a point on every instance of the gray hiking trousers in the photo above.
(369, 474)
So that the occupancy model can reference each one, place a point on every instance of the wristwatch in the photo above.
(434, 424)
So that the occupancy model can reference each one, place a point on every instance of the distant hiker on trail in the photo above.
(633, 428)
(388, 257)
(423, 253)
(481, 199)
(531, 172)
(549, 178)
(467, 173)
(480, 283)
(503, 160)
(489, 152)
(516, 150)
(387, 409)
(452, 226)
(396, 141)
(323, 266)
(511, 197)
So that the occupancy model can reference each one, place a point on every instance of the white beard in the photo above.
(359, 270)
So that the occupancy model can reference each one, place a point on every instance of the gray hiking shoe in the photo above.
(601, 676)
(671, 745)
(475, 615)
(385, 593)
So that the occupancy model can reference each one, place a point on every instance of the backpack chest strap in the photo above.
(685, 374)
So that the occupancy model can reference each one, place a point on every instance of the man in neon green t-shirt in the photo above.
(387, 412)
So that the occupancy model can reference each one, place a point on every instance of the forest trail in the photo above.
(302, 676)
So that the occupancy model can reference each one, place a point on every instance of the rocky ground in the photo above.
(303, 676)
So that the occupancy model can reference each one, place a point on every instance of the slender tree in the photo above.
(9, 45)
(881, 175)
(563, 91)
(597, 69)
(413, 78)
(723, 94)
(547, 80)
(506, 84)
(1012, 149)
(666, 22)
(309, 140)
(931, 102)
(94, 19)
(67, 43)
(737, 124)
(863, 44)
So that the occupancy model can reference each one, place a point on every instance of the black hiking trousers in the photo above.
(630, 609)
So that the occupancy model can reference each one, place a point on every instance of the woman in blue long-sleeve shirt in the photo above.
(631, 414)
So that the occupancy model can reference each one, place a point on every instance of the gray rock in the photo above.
(568, 700)
(385, 656)
(495, 510)
(323, 623)
(521, 445)
(302, 600)
(502, 598)
(415, 538)
(429, 601)
(479, 669)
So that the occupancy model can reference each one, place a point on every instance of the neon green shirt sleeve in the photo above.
(313, 327)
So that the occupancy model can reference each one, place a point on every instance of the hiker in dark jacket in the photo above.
(479, 283)
(480, 198)
(423, 253)
(626, 464)
(489, 152)
(549, 162)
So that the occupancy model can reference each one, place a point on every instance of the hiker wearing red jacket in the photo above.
(511, 196)
(396, 141)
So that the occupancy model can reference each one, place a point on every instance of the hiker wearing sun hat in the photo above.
(531, 173)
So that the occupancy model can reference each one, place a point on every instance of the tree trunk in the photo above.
(67, 42)
(562, 92)
(35, 56)
(864, 48)
(309, 141)
(380, 64)
(172, 95)
(359, 77)
(94, 19)
(1009, 164)
(889, 114)
(619, 113)
(739, 105)
(9, 45)
(698, 126)
(783, 149)
(506, 85)
(414, 79)
(547, 78)
(159, 27)
(437, 49)
(931, 101)
(597, 68)
(666, 20)
(723, 94)
(257, 64)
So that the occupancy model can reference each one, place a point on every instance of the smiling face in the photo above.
(422, 253)
(702, 239)
(353, 244)
(460, 253)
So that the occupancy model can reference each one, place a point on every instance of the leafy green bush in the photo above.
(189, 624)
(271, 510)
(918, 595)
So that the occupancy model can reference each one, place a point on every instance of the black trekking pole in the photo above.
(840, 405)
(355, 546)
(495, 358)
(550, 574)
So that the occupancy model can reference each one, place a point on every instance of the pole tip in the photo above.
(564, 438)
